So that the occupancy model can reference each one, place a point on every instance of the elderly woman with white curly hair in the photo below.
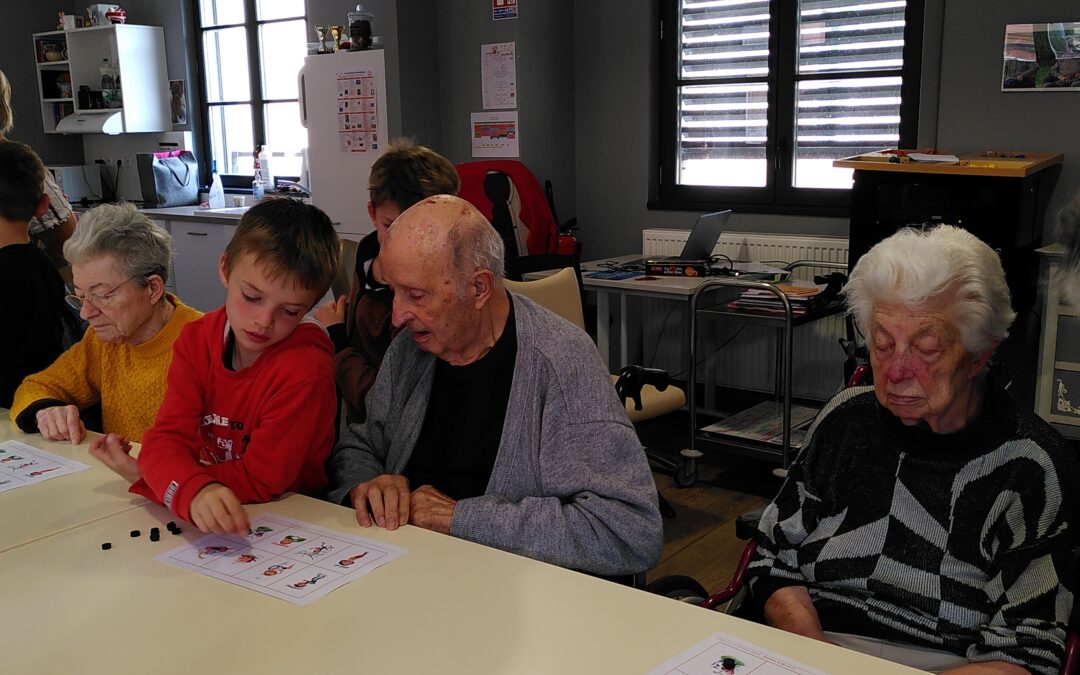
(928, 520)
(120, 261)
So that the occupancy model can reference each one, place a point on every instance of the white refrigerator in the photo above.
(343, 108)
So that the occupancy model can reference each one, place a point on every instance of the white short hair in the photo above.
(916, 267)
(138, 245)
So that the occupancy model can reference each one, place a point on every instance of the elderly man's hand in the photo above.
(114, 451)
(331, 312)
(61, 423)
(388, 498)
(431, 509)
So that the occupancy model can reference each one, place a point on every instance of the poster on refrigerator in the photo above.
(358, 116)
(498, 75)
(495, 134)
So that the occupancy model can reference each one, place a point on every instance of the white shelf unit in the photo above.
(138, 52)
(1057, 396)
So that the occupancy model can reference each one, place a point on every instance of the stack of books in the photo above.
(802, 295)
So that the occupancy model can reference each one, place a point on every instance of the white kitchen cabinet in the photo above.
(198, 249)
(137, 52)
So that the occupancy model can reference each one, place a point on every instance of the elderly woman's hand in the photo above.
(61, 423)
(114, 451)
(331, 312)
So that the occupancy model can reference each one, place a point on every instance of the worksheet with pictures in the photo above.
(724, 655)
(295, 561)
(22, 464)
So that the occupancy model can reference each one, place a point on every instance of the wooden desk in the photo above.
(59, 504)
(1001, 165)
(447, 606)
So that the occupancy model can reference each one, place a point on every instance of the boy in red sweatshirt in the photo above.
(249, 409)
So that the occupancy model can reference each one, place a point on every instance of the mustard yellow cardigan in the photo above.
(128, 380)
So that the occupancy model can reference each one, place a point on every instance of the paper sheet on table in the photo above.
(724, 655)
(758, 268)
(933, 159)
(22, 465)
(288, 559)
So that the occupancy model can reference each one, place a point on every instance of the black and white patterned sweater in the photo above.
(962, 542)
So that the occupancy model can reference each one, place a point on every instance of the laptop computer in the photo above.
(701, 242)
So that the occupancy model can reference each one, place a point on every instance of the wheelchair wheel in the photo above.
(678, 587)
(684, 474)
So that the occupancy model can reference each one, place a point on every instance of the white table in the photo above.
(667, 288)
(447, 606)
(58, 504)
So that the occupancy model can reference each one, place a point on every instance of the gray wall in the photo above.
(17, 62)
(976, 115)
(545, 84)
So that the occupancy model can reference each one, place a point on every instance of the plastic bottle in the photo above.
(107, 81)
(217, 190)
(108, 84)
(258, 186)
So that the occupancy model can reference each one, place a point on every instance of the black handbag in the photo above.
(168, 178)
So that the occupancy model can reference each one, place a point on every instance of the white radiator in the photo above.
(748, 361)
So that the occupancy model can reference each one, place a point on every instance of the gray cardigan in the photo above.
(570, 485)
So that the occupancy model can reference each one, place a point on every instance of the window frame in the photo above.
(778, 196)
(257, 102)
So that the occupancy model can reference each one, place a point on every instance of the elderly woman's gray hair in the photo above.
(915, 268)
(138, 246)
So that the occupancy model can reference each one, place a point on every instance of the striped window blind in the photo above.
(839, 67)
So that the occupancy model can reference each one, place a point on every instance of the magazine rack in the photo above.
(785, 321)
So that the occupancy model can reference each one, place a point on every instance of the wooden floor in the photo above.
(700, 541)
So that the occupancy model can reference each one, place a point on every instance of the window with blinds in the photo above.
(765, 94)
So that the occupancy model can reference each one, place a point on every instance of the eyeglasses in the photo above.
(99, 300)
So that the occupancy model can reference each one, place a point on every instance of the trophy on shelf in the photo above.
(323, 32)
(337, 32)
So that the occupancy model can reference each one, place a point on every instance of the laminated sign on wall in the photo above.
(503, 9)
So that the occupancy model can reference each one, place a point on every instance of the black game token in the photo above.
(155, 530)
(176, 531)
(171, 525)
(154, 536)
(106, 546)
(135, 533)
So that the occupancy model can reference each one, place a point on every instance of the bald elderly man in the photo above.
(493, 419)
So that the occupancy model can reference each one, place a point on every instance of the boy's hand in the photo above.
(388, 498)
(114, 451)
(61, 423)
(331, 312)
(216, 509)
(431, 509)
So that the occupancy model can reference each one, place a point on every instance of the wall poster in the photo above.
(1041, 56)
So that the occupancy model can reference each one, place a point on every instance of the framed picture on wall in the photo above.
(178, 102)
(1041, 56)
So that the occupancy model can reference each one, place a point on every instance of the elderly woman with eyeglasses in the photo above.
(119, 262)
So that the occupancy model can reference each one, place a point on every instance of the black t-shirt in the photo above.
(33, 335)
(459, 441)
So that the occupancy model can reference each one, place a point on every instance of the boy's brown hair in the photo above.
(288, 237)
(21, 178)
(407, 173)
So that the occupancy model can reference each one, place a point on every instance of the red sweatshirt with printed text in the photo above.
(262, 431)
